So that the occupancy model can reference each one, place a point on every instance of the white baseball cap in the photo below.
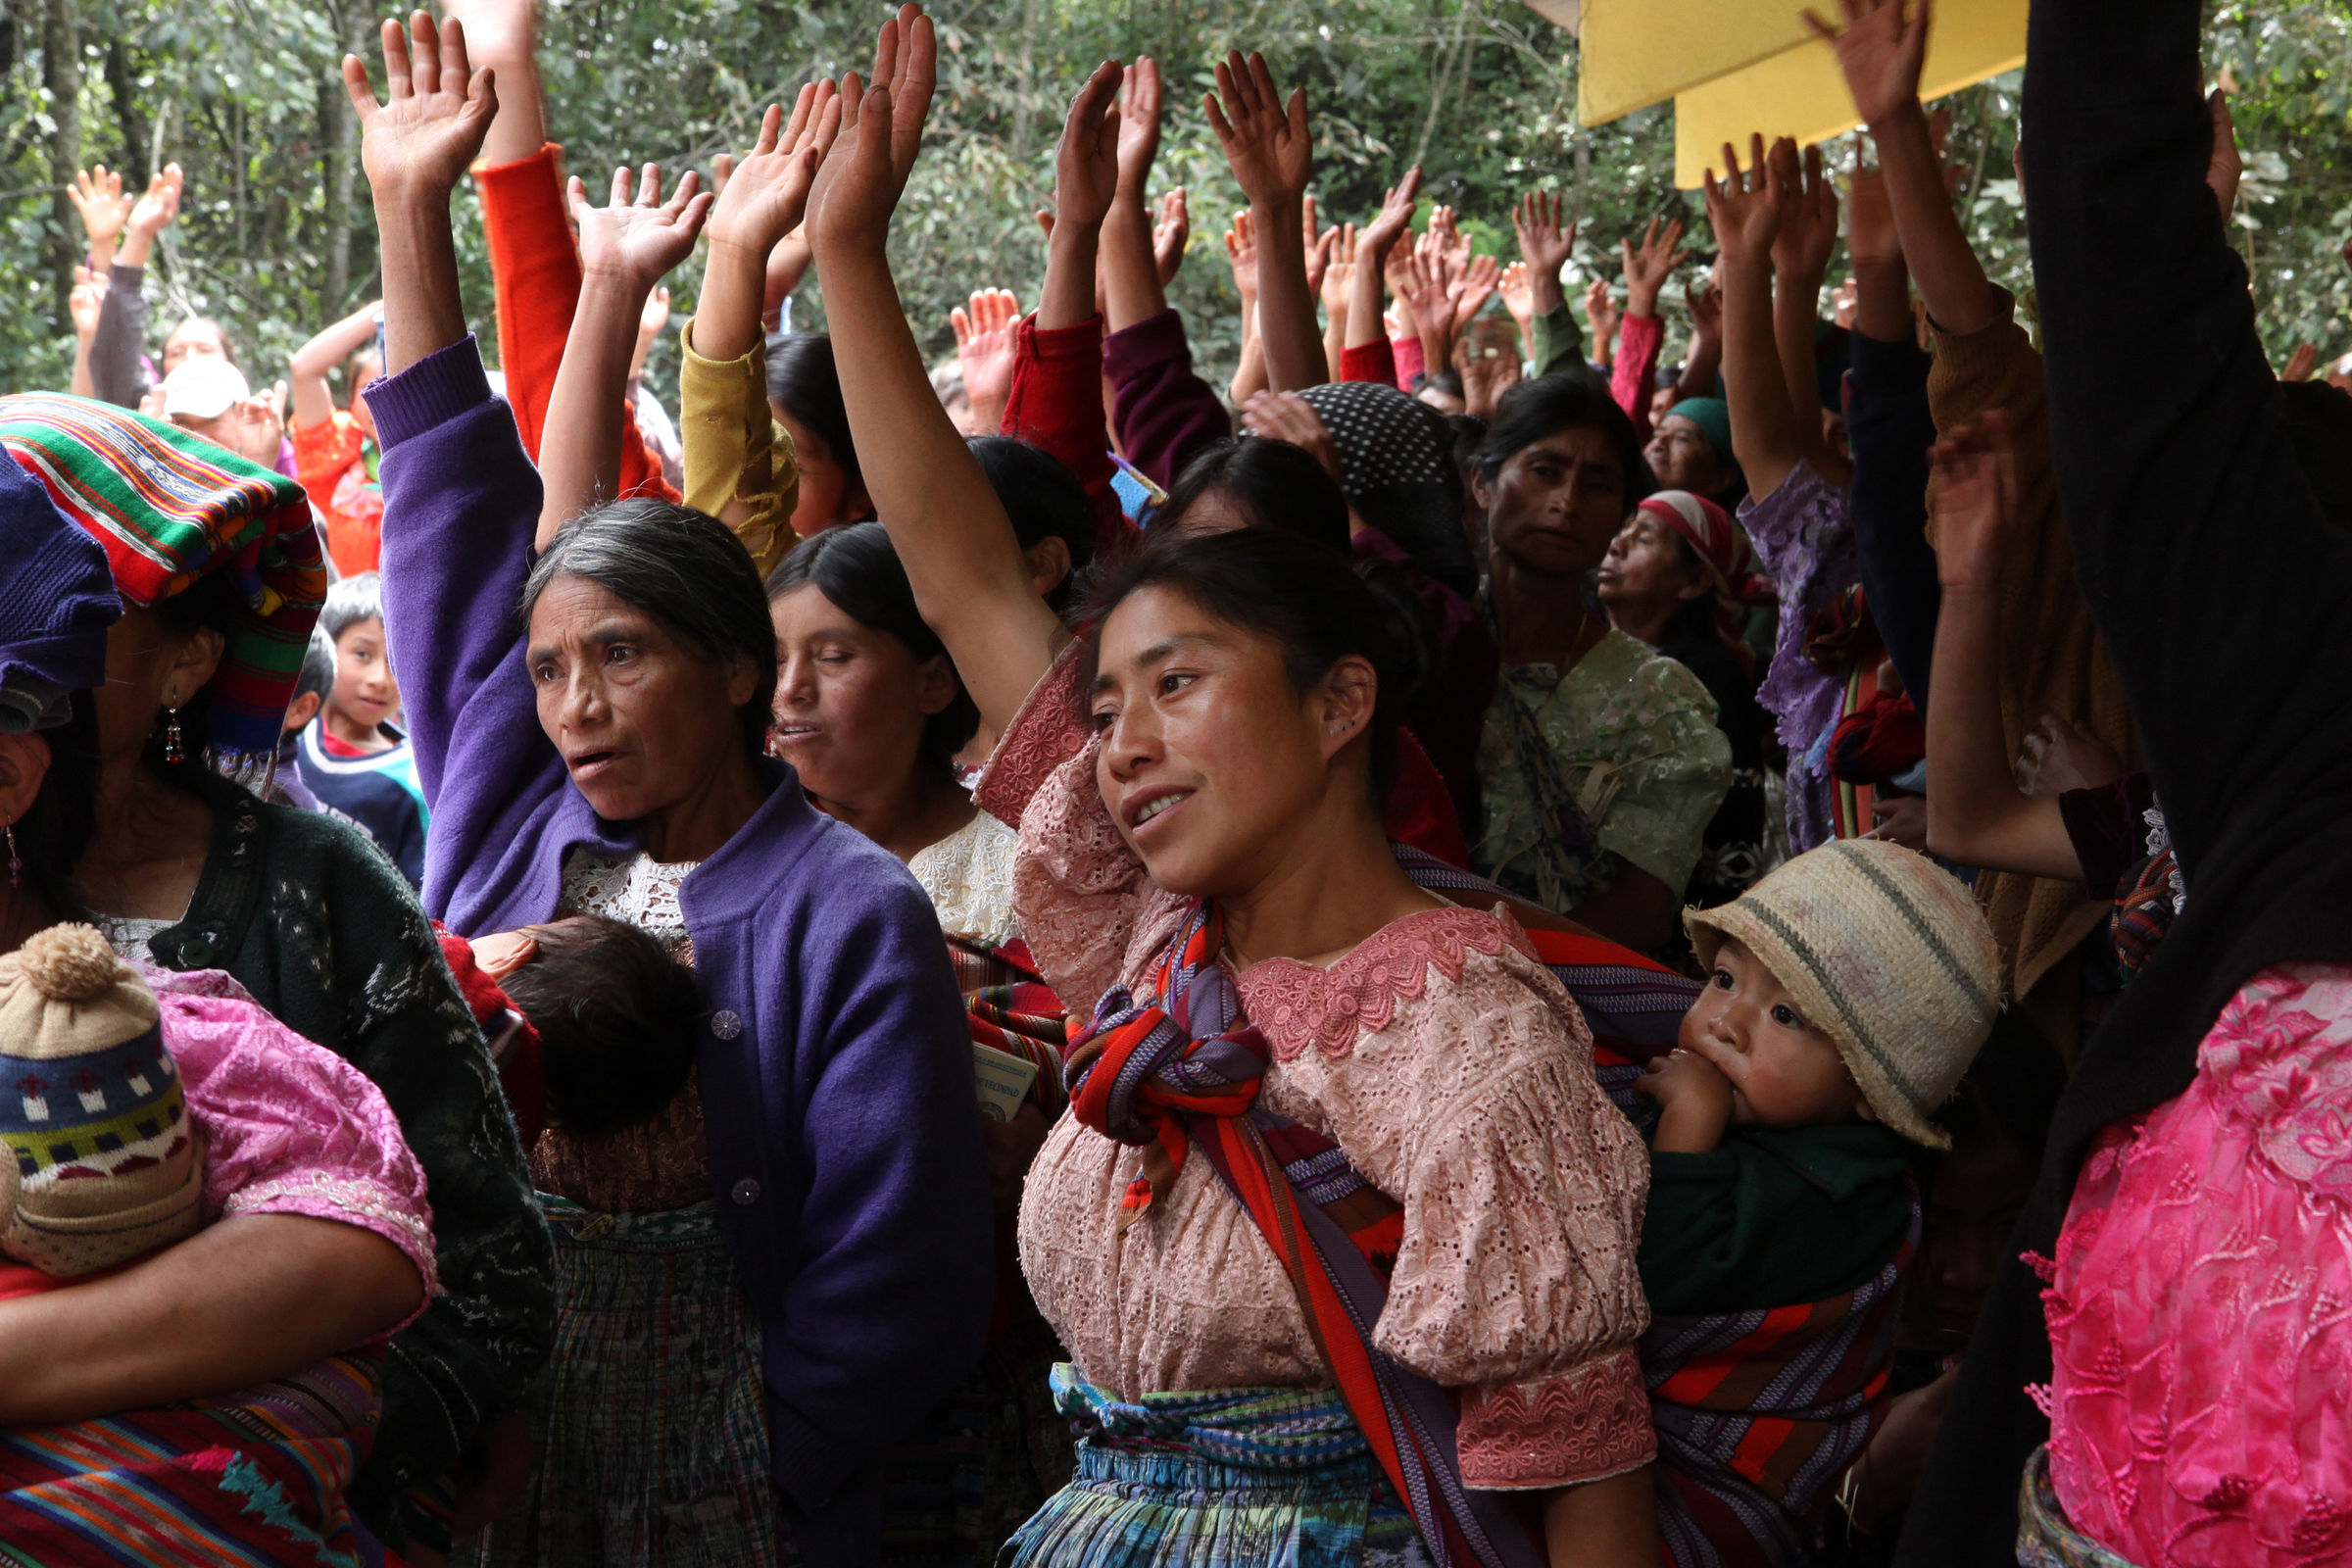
(203, 387)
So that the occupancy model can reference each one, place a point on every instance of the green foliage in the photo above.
(276, 235)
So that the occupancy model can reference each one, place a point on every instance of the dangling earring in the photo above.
(16, 862)
(171, 738)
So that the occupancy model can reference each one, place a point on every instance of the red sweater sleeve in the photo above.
(1407, 351)
(1056, 407)
(1375, 360)
(1633, 374)
(537, 274)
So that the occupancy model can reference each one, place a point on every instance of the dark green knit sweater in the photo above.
(309, 917)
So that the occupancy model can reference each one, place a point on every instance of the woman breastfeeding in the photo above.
(1208, 859)
(801, 1270)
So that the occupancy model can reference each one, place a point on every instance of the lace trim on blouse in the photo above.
(969, 878)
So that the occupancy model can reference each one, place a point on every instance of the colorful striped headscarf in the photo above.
(1724, 552)
(171, 509)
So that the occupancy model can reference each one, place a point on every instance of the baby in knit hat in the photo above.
(1846, 994)
(101, 1165)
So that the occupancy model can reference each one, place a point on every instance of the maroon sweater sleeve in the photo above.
(1375, 360)
(1165, 413)
(1056, 407)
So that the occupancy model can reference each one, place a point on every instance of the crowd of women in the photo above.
(1480, 948)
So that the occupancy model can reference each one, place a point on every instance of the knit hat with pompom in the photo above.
(101, 1163)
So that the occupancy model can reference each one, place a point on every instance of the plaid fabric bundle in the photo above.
(170, 508)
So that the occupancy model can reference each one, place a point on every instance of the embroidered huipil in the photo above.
(1456, 1075)
(1804, 536)
(2199, 1407)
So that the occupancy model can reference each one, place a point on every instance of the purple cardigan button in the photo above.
(745, 1192)
(726, 1025)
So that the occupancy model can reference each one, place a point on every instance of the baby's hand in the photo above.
(1695, 1102)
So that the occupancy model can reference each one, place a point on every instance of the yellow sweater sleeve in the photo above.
(739, 461)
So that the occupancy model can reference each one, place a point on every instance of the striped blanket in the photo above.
(170, 508)
(249, 1479)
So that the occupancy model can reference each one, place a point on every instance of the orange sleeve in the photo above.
(537, 274)
(322, 453)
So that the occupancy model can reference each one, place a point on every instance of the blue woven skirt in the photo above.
(649, 1423)
(1227, 1477)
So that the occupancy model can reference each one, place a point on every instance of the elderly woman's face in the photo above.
(643, 722)
(1556, 504)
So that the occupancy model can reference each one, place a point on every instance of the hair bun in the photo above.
(70, 963)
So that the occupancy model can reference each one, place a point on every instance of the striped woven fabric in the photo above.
(1759, 1413)
(1010, 1007)
(249, 1479)
(172, 507)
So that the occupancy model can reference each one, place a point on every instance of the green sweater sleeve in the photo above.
(1773, 1219)
(1560, 342)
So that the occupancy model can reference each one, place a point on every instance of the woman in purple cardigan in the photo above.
(603, 754)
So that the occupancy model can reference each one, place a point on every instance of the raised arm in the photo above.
(1267, 146)
(962, 556)
(1368, 284)
(1241, 251)
(625, 248)
(1705, 361)
(315, 361)
(1648, 266)
(1132, 289)
(734, 470)
(118, 346)
(1881, 49)
(1800, 260)
(1977, 815)
(1891, 427)
(1747, 211)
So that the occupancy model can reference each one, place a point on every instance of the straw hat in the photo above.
(98, 1162)
(1886, 952)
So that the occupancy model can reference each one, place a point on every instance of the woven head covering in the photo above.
(1397, 459)
(57, 599)
(170, 508)
(1723, 555)
(100, 1163)
(1713, 416)
(1887, 954)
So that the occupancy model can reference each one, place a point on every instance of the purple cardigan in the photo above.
(836, 1066)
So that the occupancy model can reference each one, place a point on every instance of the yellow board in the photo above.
(1635, 53)
(1800, 93)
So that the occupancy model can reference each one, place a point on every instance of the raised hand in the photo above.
(1486, 374)
(767, 192)
(1265, 141)
(87, 299)
(1318, 259)
(154, 212)
(1809, 233)
(1881, 50)
(97, 195)
(1380, 236)
(1338, 273)
(418, 142)
(1972, 496)
(1513, 287)
(1600, 310)
(1649, 266)
(1544, 245)
(1171, 233)
(1241, 249)
(1139, 125)
(984, 346)
(858, 185)
(1747, 210)
(1705, 304)
(639, 236)
(652, 318)
(1087, 167)
(1428, 287)
(2301, 362)
(1472, 287)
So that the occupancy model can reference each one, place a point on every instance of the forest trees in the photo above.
(276, 236)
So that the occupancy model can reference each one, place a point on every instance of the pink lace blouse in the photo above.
(2200, 1308)
(1455, 1073)
(291, 1127)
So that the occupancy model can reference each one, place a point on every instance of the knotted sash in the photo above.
(1183, 1071)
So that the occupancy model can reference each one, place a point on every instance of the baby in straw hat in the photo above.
(101, 1163)
(1846, 994)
